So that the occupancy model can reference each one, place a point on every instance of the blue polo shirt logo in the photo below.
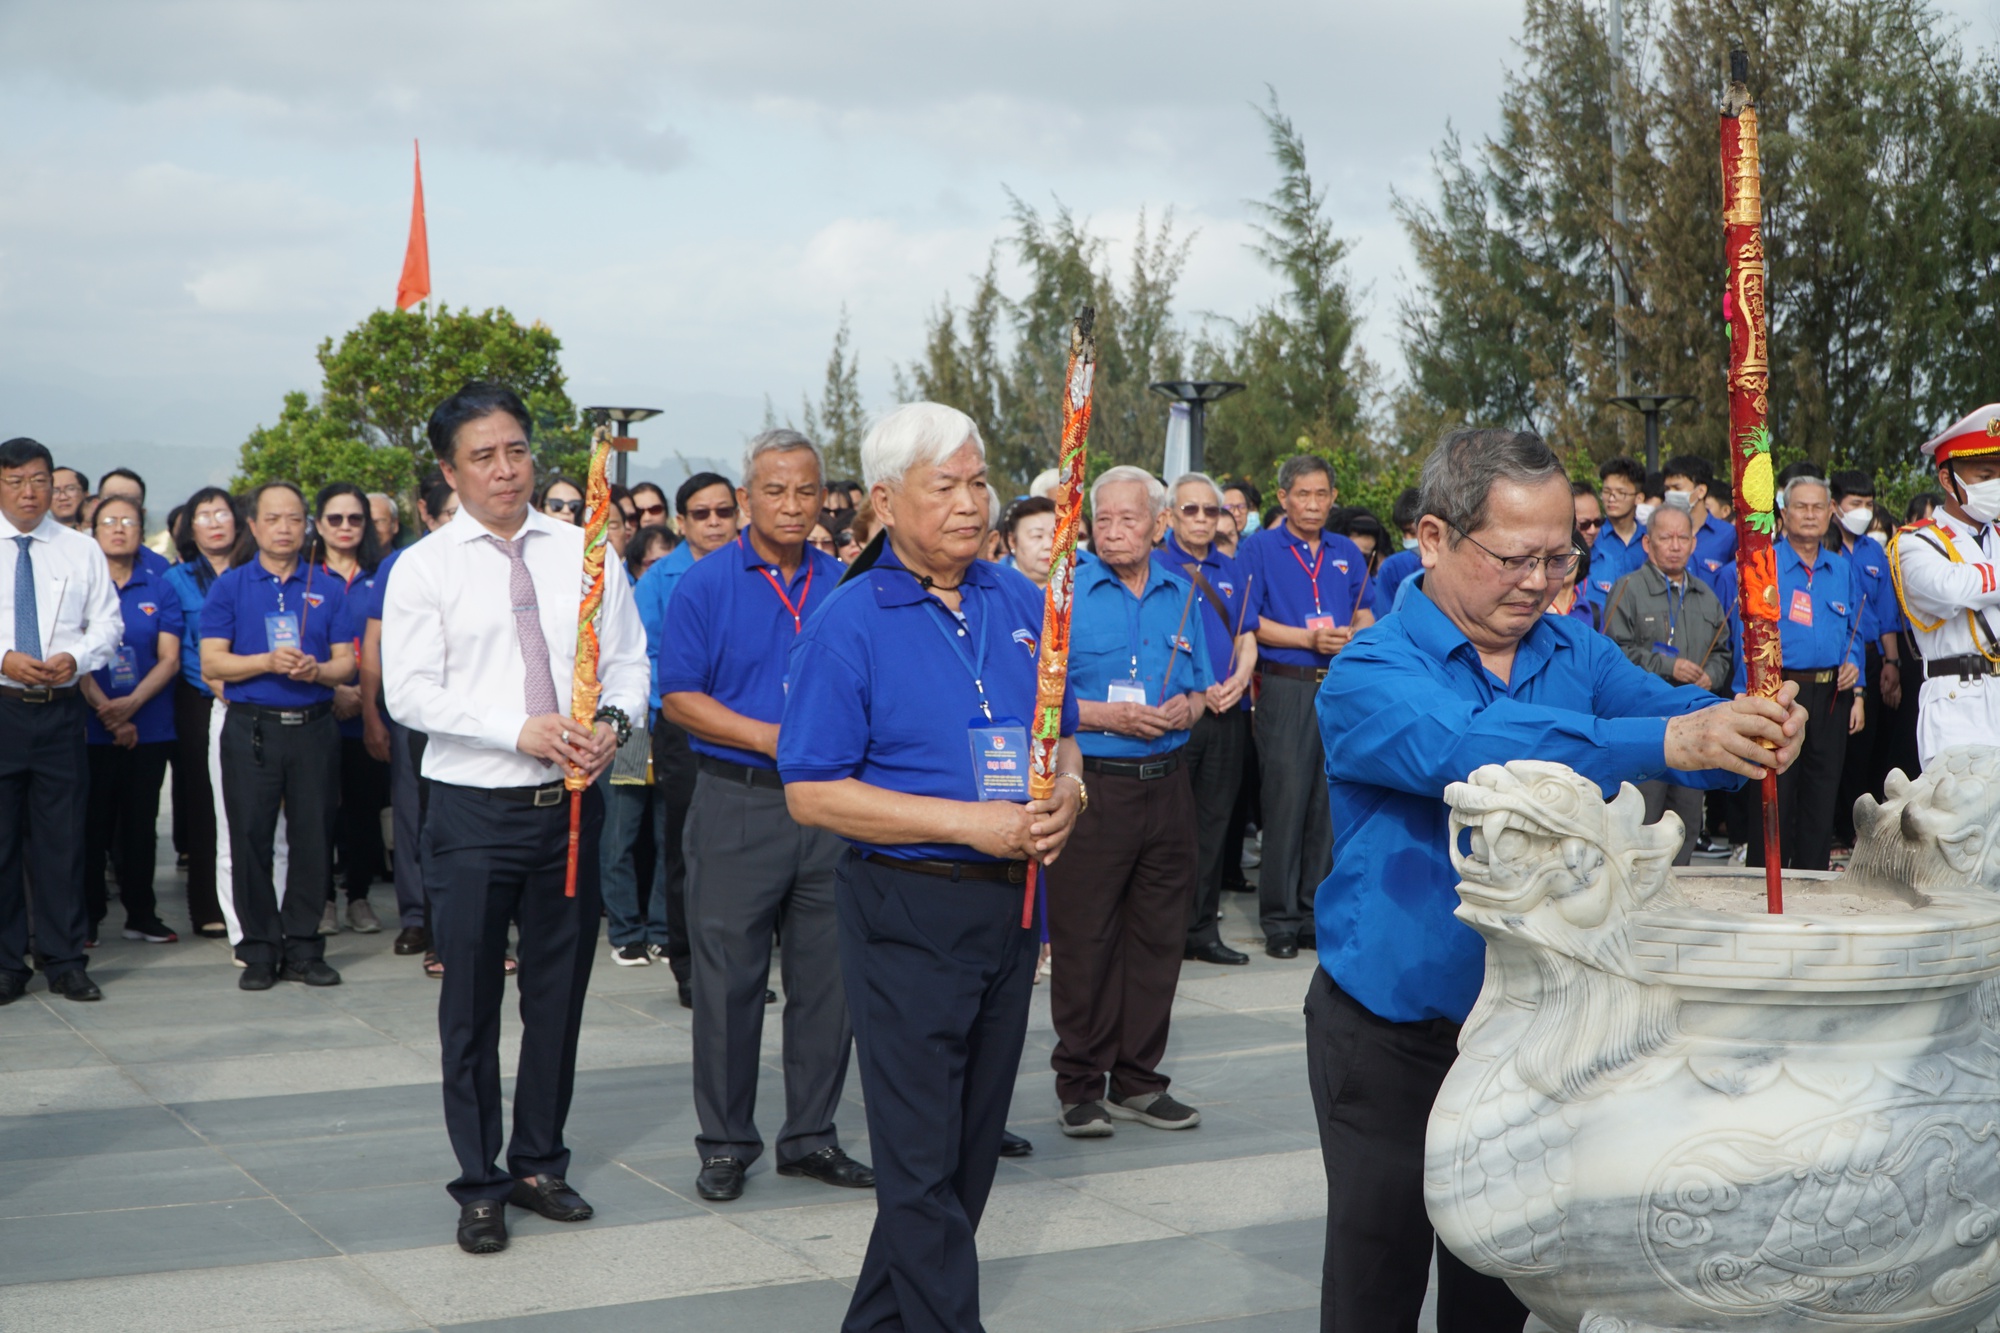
(313, 599)
(1228, 588)
(150, 608)
(1340, 565)
(1026, 640)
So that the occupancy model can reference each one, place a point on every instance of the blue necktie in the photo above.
(27, 619)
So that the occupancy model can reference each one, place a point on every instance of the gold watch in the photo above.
(1082, 792)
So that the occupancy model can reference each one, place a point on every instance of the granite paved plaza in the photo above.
(186, 1156)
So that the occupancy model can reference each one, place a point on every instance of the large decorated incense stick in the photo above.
(1052, 668)
(1749, 437)
(583, 689)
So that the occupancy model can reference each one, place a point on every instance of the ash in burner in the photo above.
(1748, 898)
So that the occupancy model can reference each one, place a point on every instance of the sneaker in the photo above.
(657, 952)
(1253, 851)
(361, 917)
(153, 932)
(329, 920)
(1153, 1108)
(630, 955)
(1086, 1120)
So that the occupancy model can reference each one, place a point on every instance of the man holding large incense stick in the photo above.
(1466, 671)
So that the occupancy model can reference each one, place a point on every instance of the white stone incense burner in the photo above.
(1667, 1117)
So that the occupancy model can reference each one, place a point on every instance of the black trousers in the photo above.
(267, 766)
(673, 792)
(1373, 1083)
(194, 800)
(1860, 772)
(407, 796)
(121, 827)
(1215, 756)
(1298, 822)
(1807, 791)
(42, 775)
(938, 976)
(364, 793)
(490, 861)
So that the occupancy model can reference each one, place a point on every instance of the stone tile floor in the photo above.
(187, 1156)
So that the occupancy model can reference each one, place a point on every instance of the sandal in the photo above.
(214, 930)
(433, 967)
(509, 966)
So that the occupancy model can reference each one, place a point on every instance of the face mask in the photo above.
(1410, 543)
(1856, 521)
(1680, 500)
(1982, 500)
(1644, 513)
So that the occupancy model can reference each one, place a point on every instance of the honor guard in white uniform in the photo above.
(1944, 571)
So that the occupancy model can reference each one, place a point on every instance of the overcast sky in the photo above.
(198, 191)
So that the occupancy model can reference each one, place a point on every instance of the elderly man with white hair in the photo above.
(751, 870)
(905, 733)
(1118, 908)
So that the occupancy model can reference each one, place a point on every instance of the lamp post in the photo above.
(1650, 405)
(622, 444)
(1197, 394)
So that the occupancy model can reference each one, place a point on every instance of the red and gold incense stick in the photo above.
(1052, 668)
(583, 688)
(1749, 437)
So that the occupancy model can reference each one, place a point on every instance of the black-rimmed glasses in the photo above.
(1518, 568)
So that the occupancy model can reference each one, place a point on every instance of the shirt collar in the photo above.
(1431, 630)
(1097, 572)
(43, 531)
(1788, 556)
(1179, 552)
(902, 589)
(465, 528)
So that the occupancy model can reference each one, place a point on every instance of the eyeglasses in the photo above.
(1201, 511)
(824, 544)
(658, 511)
(215, 519)
(1519, 568)
(37, 481)
(704, 515)
(69, 489)
(1619, 493)
(117, 521)
(1586, 524)
(563, 506)
(343, 520)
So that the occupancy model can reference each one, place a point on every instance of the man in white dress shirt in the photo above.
(58, 620)
(478, 647)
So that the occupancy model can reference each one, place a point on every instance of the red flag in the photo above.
(415, 284)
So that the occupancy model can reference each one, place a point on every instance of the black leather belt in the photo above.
(766, 778)
(1290, 672)
(37, 694)
(1812, 675)
(284, 717)
(1966, 666)
(548, 794)
(1146, 770)
(989, 872)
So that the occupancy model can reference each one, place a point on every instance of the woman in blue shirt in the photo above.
(344, 545)
(205, 534)
(131, 731)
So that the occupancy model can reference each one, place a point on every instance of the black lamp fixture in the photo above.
(1197, 394)
(621, 444)
(1649, 406)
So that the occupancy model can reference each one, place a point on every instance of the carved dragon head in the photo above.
(1939, 830)
(1546, 861)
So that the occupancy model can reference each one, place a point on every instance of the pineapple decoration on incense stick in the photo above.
(1749, 435)
(1052, 666)
(584, 685)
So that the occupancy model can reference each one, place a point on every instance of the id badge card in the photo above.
(1801, 613)
(281, 630)
(1125, 692)
(1319, 622)
(999, 760)
(125, 669)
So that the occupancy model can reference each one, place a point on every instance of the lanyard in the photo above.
(1673, 611)
(953, 632)
(1132, 626)
(1312, 574)
(798, 620)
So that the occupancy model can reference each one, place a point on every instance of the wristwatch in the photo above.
(1082, 792)
(616, 717)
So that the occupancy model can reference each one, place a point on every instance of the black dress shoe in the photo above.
(686, 994)
(313, 972)
(75, 985)
(258, 976)
(831, 1166)
(721, 1179)
(552, 1197)
(412, 940)
(1215, 951)
(12, 987)
(1282, 946)
(770, 997)
(482, 1227)
(1013, 1145)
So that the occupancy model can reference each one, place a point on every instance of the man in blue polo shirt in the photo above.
(904, 733)
(1468, 672)
(1389, 575)
(277, 637)
(1714, 541)
(1118, 909)
(1620, 545)
(750, 869)
(1311, 593)
(706, 506)
(1219, 746)
(1867, 762)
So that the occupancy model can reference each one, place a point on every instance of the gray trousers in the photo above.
(1214, 756)
(1298, 824)
(406, 757)
(751, 871)
(1684, 801)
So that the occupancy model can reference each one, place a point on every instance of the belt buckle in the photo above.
(1319, 675)
(1017, 872)
(1148, 772)
(554, 793)
(291, 717)
(37, 694)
